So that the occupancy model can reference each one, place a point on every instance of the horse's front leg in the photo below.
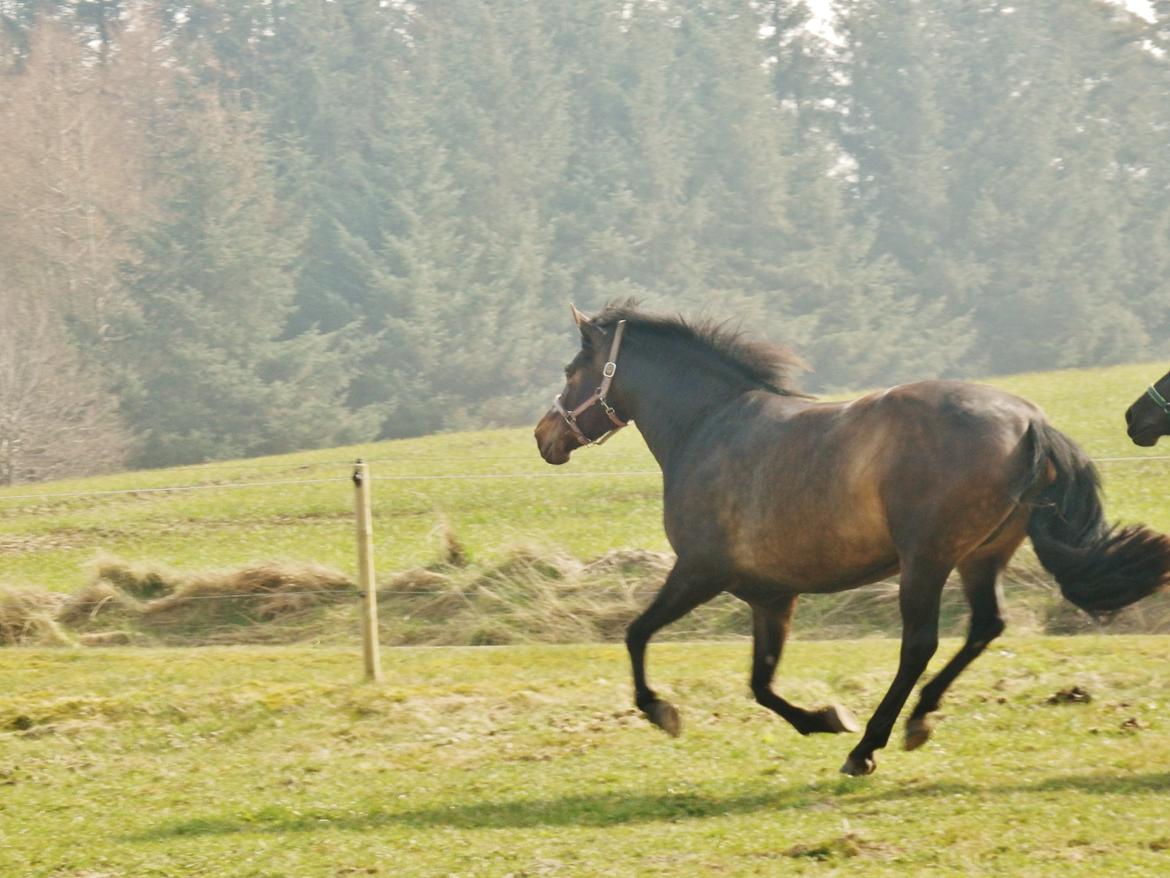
(685, 588)
(920, 591)
(769, 631)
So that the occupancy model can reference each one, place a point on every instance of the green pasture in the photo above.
(490, 489)
(529, 761)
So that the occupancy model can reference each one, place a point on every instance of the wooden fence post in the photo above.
(365, 542)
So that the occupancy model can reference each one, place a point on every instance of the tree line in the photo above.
(250, 226)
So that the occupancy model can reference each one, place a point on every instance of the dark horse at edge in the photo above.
(1148, 418)
(769, 494)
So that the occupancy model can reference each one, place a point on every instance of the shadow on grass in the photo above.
(600, 810)
(623, 807)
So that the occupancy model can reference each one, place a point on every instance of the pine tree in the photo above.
(476, 141)
(991, 147)
(206, 369)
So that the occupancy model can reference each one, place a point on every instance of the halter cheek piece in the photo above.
(1159, 400)
(598, 397)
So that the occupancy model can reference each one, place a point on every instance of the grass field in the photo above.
(528, 761)
(490, 489)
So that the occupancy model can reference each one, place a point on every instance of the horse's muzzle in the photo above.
(1143, 437)
(1141, 429)
(553, 439)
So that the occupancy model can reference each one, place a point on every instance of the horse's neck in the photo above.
(670, 396)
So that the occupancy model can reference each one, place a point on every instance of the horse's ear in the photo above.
(580, 319)
(590, 334)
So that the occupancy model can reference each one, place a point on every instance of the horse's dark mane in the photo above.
(768, 366)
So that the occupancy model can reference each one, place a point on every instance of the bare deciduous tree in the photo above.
(72, 185)
(55, 419)
(72, 189)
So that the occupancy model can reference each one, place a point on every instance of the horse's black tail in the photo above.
(1099, 567)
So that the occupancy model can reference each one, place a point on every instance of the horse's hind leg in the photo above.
(980, 584)
(769, 631)
(922, 583)
(683, 590)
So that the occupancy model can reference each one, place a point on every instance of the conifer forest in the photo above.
(241, 227)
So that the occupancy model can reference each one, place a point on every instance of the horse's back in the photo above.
(945, 445)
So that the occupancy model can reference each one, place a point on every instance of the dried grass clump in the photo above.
(534, 596)
(144, 581)
(112, 638)
(142, 604)
(1148, 616)
(266, 602)
(531, 596)
(99, 602)
(420, 580)
(638, 563)
(454, 554)
(28, 617)
(264, 591)
(421, 598)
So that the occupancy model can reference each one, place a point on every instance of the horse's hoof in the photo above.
(663, 715)
(918, 731)
(838, 718)
(855, 767)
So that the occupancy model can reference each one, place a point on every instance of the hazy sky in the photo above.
(822, 11)
(1141, 7)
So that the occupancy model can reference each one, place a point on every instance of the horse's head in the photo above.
(1149, 416)
(582, 414)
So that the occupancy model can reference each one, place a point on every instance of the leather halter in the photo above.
(1159, 400)
(598, 397)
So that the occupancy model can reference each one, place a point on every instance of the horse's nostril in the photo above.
(1129, 416)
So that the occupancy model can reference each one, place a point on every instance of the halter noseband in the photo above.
(1159, 400)
(598, 397)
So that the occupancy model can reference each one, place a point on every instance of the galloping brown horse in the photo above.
(1148, 419)
(770, 494)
